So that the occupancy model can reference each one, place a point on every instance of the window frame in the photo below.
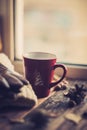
(6, 12)
(74, 71)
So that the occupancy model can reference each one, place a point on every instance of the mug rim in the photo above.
(39, 55)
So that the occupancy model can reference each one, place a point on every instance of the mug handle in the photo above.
(63, 76)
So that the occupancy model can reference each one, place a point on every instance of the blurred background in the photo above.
(55, 26)
(59, 27)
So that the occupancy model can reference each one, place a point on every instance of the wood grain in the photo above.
(56, 117)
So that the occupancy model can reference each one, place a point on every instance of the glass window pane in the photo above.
(58, 27)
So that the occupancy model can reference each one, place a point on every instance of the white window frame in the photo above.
(6, 10)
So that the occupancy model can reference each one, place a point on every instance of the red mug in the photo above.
(39, 71)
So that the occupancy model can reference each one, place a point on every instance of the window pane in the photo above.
(58, 27)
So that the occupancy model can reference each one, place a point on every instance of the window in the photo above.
(58, 27)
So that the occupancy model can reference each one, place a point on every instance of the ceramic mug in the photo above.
(39, 71)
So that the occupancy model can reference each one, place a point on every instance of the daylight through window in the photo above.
(58, 27)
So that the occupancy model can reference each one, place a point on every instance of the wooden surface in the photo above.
(57, 115)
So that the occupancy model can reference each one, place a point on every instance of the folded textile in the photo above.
(25, 98)
(15, 90)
